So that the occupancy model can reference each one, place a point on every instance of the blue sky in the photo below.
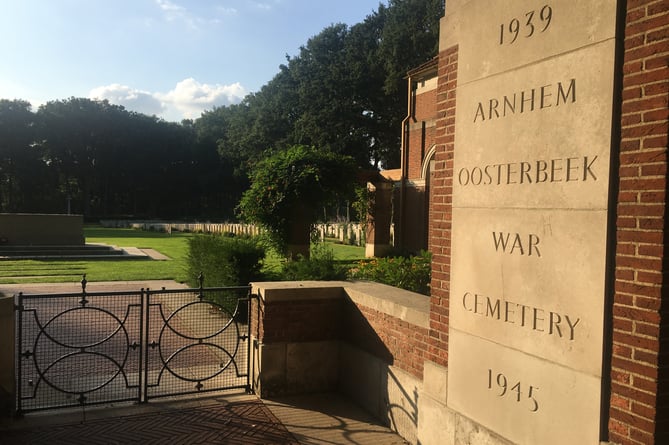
(171, 58)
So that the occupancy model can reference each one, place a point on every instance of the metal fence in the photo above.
(104, 347)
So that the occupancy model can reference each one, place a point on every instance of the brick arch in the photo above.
(425, 168)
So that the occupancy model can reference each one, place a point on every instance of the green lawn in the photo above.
(174, 245)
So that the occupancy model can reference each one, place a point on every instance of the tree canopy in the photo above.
(344, 93)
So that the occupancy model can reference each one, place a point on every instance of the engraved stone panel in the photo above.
(544, 29)
(531, 280)
(530, 215)
(523, 398)
(556, 154)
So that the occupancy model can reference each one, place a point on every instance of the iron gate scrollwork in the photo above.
(106, 347)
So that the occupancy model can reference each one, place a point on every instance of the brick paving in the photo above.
(246, 422)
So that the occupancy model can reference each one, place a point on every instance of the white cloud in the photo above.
(187, 100)
(191, 97)
(227, 11)
(132, 99)
(266, 5)
(174, 12)
(170, 8)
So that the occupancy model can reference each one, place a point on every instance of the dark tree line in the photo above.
(344, 92)
(100, 160)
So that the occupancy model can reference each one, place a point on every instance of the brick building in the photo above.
(409, 201)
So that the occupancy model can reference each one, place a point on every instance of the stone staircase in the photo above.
(84, 252)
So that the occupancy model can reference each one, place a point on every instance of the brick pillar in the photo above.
(377, 236)
(441, 202)
(299, 236)
(639, 412)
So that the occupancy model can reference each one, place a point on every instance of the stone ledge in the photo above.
(412, 307)
(280, 291)
(407, 306)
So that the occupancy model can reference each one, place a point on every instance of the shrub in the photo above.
(320, 265)
(411, 273)
(225, 261)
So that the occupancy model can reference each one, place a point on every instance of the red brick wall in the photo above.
(639, 380)
(441, 194)
(419, 144)
(395, 341)
(426, 105)
(298, 321)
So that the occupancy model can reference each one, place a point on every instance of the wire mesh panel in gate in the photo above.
(197, 341)
(90, 348)
(77, 349)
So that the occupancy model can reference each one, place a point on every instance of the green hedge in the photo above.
(320, 266)
(411, 273)
(224, 260)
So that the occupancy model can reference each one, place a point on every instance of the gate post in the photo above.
(7, 356)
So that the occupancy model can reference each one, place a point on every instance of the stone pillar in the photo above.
(7, 355)
(623, 280)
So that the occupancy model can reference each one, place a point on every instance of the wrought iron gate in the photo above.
(104, 347)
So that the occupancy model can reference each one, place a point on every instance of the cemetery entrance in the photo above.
(93, 348)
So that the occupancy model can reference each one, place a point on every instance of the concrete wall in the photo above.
(22, 229)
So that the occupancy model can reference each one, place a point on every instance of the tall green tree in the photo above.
(289, 189)
(76, 138)
(409, 38)
(24, 176)
(345, 91)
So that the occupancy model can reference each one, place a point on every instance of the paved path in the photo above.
(95, 286)
(233, 419)
(243, 421)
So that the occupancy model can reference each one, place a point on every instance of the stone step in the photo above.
(88, 251)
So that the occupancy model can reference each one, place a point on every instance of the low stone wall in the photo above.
(27, 229)
(361, 339)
